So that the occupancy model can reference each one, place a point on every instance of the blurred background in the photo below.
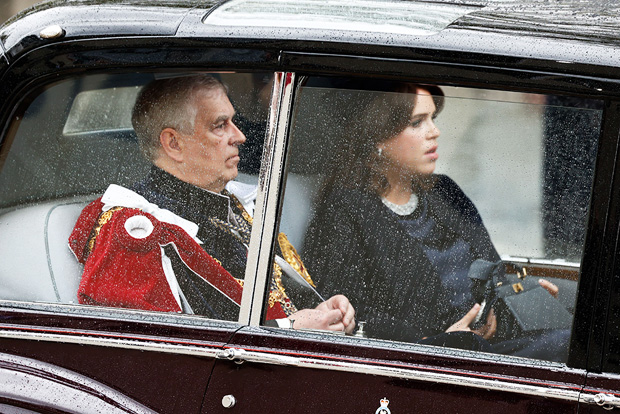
(9, 8)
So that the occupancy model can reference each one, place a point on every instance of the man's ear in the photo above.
(171, 144)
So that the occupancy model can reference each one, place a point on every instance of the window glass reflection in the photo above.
(136, 173)
(421, 204)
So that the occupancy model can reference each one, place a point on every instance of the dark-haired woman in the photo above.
(394, 237)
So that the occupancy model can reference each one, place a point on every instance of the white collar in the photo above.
(118, 196)
(245, 193)
(402, 209)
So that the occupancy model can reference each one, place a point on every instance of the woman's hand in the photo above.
(549, 287)
(335, 314)
(487, 331)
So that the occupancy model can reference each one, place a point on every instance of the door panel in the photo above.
(305, 375)
(165, 382)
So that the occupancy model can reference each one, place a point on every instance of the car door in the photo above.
(601, 391)
(506, 150)
(67, 137)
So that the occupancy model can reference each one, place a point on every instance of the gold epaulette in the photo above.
(288, 250)
(292, 257)
(103, 218)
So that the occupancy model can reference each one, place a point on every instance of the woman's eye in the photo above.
(416, 123)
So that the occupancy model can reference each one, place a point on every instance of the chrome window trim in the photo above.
(359, 16)
(117, 314)
(564, 392)
(259, 264)
(541, 262)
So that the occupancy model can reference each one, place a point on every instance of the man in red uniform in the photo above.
(177, 241)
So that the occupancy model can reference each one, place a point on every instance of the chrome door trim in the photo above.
(140, 343)
(566, 392)
(561, 392)
(259, 263)
(606, 400)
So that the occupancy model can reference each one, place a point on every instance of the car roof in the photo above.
(568, 31)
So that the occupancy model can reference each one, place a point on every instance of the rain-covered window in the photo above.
(424, 205)
(116, 191)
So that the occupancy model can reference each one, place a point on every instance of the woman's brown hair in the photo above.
(374, 116)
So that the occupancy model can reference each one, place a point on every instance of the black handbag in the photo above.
(520, 303)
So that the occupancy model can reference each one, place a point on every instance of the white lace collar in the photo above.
(402, 209)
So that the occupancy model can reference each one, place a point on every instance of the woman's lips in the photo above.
(432, 153)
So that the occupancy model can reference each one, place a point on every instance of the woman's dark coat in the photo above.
(356, 246)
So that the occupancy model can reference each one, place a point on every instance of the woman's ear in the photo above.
(171, 144)
(380, 150)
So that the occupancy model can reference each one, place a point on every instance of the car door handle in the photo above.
(232, 354)
(240, 356)
(607, 401)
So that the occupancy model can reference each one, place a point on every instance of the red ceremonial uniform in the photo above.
(124, 261)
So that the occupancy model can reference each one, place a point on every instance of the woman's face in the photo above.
(414, 150)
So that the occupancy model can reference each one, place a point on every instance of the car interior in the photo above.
(75, 138)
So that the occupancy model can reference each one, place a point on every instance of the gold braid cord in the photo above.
(104, 217)
(277, 293)
(240, 207)
(292, 257)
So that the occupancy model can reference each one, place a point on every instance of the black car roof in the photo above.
(95, 18)
(564, 31)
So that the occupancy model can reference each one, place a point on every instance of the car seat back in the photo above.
(37, 264)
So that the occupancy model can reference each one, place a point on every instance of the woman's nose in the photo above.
(433, 132)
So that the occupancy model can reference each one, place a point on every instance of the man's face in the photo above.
(211, 153)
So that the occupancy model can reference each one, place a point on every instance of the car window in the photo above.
(419, 201)
(74, 142)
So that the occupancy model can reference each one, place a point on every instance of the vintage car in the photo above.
(530, 132)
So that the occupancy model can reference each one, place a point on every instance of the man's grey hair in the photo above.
(168, 103)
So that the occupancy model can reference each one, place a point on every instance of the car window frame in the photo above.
(298, 63)
(21, 90)
(508, 79)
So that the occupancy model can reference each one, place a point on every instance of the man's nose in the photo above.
(237, 137)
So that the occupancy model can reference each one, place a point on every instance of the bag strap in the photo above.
(483, 270)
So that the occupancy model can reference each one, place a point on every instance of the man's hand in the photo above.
(335, 314)
(341, 303)
(487, 331)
